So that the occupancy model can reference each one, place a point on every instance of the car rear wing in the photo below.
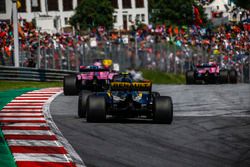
(134, 86)
(206, 66)
(94, 70)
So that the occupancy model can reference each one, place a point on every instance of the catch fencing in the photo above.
(163, 56)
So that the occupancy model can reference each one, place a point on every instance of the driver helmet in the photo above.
(98, 64)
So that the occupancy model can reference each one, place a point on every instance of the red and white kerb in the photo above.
(29, 136)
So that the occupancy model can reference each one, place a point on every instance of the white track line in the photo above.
(20, 103)
(33, 98)
(42, 157)
(27, 132)
(37, 92)
(31, 101)
(35, 95)
(77, 159)
(33, 143)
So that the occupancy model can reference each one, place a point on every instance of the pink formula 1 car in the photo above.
(210, 73)
(93, 78)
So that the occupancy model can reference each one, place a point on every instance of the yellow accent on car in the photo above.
(18, 4)
(133, 85)
(124, 73)
(107, 62)
(109, 93)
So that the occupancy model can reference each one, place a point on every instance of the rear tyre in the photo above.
(233, 76)
(163, 109)
(82, 103)
(224, 77)
(69, 85)
(96, 109)
(190, 77)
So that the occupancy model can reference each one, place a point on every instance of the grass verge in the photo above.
(6, 160)
(10, 85)
(159, 77)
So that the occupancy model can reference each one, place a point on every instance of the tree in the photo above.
(243, 4)
(93, 13)
(178, 12)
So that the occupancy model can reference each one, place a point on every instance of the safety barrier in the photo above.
(32, 74)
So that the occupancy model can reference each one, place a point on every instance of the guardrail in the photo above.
(32, 74)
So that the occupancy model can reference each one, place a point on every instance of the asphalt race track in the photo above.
(211, 127)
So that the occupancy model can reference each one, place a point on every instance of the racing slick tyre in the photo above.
(69, 85)
(233, 76)
(96, 109)
(190, 77)
(163, 109)
(224, 77)
(82, 103)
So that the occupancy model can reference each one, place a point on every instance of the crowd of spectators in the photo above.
(30, 41)
(227, 44)
(6, 41)
(231, 42)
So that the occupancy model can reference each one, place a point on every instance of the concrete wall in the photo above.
(228, 9)
(133, 11)
(7, 15)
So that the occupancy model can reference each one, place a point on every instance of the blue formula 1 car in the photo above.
(127, 98)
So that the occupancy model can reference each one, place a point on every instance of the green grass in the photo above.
(159, 77)
(10, 85)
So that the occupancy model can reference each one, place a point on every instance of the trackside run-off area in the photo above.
(26, 135)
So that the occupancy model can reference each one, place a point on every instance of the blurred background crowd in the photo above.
(170, 37)
(172, 49)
